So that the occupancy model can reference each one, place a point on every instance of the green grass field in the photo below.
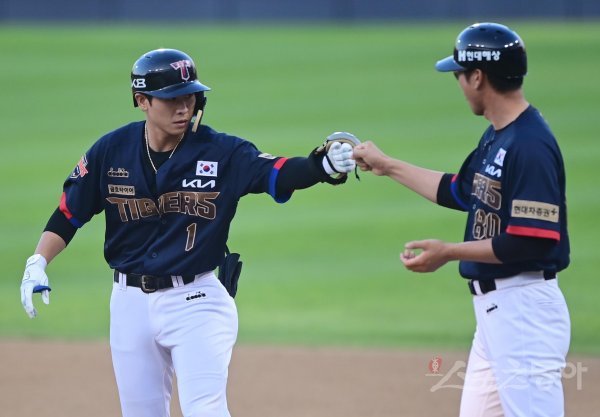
(322, 269)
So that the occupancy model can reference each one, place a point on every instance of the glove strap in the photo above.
(315, 160)
(331, 166)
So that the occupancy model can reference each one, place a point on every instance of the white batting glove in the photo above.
(339, 159)
(34, 275)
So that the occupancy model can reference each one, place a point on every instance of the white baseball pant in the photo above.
(519, 350)
(189, 330)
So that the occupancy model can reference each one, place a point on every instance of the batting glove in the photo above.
(34, 276)
(339, 159)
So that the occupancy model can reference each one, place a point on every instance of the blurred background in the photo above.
(322, 269)
(323, 10)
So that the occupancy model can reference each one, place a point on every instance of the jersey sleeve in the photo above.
(258, 171)
(533, 191)
(458, 186)
(81, 198)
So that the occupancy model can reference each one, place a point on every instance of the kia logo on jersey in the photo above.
(207, 168)
(183, 66)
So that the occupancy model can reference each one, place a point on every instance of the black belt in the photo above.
(151, 283)
(488, 285)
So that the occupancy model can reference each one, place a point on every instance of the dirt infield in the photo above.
(75, 379)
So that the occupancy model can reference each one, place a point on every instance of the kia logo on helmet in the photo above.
(183, 66)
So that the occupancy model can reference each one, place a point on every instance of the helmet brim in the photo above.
(178, 90)
(448, 64)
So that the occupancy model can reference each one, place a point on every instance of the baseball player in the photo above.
(513, 188)
(169, 188)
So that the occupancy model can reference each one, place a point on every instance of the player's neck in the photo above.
(159, 140)
(503, 109)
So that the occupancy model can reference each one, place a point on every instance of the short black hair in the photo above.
(499, 83)
(503, 84)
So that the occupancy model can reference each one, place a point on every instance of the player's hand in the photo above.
(34, 276)
(339, 159)
(424, 255)
(368, 157)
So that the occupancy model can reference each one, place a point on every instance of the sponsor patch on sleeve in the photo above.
(535, 210)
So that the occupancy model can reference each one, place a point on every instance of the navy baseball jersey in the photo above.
(514, 182)
(174, 222)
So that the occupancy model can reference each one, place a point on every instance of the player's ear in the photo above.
(142, 101)
(476, 77)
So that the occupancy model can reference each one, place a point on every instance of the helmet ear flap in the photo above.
(199, 110)
(200, 101)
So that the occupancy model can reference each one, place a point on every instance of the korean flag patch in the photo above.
(499, 159)
(207, 168)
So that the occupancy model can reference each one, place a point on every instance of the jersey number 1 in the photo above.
(191, 236)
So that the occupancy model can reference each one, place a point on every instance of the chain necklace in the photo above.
(148, 148)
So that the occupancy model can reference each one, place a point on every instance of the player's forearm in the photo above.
(423, 181)
(474, 251)
(296, 174)
(50, 245)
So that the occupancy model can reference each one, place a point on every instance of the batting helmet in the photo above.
(166, 73)
(491, 47)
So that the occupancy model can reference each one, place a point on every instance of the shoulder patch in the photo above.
(535, 210)
(81, 168)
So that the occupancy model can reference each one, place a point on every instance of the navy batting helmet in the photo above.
(491, 47)
(165, 73)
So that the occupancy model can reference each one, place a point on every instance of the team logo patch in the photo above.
(499, 159)
(183, 66)
(118, 173)
(266, 156)
(535, 210)
(121, 189)
(81, 168)
(207, 168)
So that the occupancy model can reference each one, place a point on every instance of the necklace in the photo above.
(148, 148)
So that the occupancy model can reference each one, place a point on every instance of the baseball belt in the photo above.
(488, 285)
(151, 283)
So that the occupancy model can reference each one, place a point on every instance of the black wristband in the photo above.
(59, 224)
